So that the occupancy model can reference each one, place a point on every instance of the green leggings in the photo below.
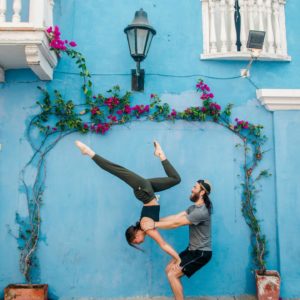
(143, 188)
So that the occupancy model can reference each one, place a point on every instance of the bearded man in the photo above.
(199, 251)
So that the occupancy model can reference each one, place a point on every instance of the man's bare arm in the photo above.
(173, 217)
(174, 223)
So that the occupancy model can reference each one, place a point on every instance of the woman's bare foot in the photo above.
(158, 151)
(85, 150)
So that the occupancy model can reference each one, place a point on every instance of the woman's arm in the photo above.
(153, 233)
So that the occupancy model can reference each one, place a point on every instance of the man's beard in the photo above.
(195, 197)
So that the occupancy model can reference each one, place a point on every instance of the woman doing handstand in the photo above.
(144, 190)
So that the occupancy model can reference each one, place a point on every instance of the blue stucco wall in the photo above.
(83, 252)
(288, 195)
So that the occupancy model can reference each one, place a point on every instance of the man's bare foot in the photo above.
(158, 151)
(85, 150)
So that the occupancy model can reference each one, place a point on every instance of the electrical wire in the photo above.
(251, 82)
(150, 74)
(23, 81)
(154, 74)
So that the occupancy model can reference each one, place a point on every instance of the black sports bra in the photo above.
(151, 212)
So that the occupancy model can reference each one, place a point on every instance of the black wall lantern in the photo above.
(139, 35)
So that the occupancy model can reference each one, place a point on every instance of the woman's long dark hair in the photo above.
(130, 234)
(208, 203)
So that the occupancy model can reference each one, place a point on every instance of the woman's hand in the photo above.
(147, 224)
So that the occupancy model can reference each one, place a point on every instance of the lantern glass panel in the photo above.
(131, 40)
(150, 36)
(141, 40)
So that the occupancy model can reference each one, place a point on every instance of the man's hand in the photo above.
(147, 224)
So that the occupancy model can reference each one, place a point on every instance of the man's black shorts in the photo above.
(192, 261)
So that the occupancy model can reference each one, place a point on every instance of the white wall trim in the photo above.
(38, 63)
(279, 99)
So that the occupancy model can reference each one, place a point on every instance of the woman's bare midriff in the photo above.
(152, 202)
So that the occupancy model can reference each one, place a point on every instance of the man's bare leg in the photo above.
(169, 266)
(174, 275)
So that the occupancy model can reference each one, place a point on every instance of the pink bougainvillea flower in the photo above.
(85, 126)
(112, 118)
(205, 87)
(94, 110)
(241, 124)
(102, 128)
(199, 85)
(49, 29)
(72, 44)
(56, 30)
(217, 106)
(204, 97)
(56, 42)
(111, 102)
(127, 109)
(140, 109)
(246, 125)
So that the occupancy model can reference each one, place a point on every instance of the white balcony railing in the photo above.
(23, 41)
(220, 35)
(40, 13)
